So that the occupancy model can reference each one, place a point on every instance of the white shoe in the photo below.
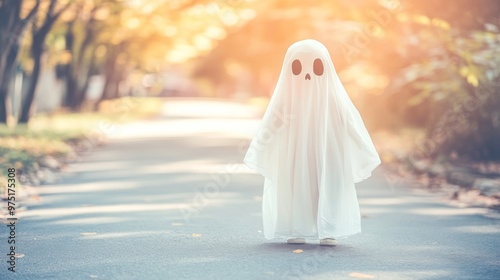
(328, 242)
(296, 241)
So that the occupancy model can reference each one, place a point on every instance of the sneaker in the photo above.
(328, 242)
(296, 241)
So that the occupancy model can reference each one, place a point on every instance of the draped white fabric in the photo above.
(311, 147)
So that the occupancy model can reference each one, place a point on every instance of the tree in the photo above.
(81, 35)
(12, 25)
(37, 48)
(135, 38)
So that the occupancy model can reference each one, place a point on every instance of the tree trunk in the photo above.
(37, 49)
(12, 26)
(82, 92)
(26, 108)
(70, 77)
(118, 78)
(4, 76)
(9, 68)
(75, 94)
(3, 100)
(110, 74)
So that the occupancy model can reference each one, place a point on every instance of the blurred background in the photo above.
(424, 75)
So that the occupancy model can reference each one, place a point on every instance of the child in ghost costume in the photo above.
(311, 147)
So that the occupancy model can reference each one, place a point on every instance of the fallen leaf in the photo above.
(18, 256)
(88, 233)
(196, 234)
(361, 275)
(177, 224)
(298, 251)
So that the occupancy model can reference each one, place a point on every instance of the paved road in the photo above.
(169, 199)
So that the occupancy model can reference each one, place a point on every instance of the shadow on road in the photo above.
(169, 198)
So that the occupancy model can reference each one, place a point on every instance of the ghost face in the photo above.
(307, 68)
(317, 68)
(307, 71)
(307, 74)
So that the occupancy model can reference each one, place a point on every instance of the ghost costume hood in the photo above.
(311, 147)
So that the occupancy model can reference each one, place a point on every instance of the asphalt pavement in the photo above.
(169, 198)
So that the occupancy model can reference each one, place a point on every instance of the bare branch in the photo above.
(51, 18)
(31, 14)
(58, 13)
(50, 10)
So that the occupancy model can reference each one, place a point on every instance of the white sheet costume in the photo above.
(311, 147)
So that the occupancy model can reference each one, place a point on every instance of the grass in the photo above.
(24, 146)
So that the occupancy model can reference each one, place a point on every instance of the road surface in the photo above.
(169, 199)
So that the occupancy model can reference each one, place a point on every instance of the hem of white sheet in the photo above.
(309, 237)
